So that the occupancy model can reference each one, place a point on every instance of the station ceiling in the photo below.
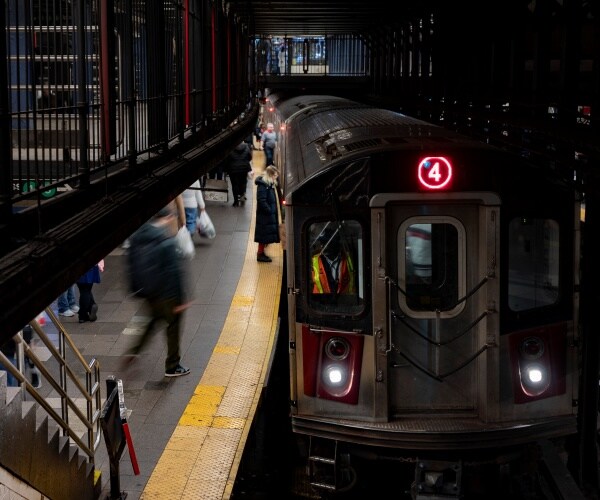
(330, 17)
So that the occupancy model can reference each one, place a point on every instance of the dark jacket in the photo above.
(266, 227)
(239, 159)
(92, 276)
(167, 266)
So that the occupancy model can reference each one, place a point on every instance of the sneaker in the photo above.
(75, 309)
(94, 310)
(68, 313)
(261, 257)
(178, 371)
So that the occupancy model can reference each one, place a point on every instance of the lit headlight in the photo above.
(535, 375)
(535, 378)
(335, 376)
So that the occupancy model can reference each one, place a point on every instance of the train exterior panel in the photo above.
(449, 323)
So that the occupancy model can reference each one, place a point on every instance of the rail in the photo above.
(70, 376)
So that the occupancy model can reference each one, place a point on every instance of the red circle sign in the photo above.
(435, 172)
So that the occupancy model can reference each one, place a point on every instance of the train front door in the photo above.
(432, 291)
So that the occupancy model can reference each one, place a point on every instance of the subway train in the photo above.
(432, 303)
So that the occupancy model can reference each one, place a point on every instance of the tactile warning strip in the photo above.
(202, 456)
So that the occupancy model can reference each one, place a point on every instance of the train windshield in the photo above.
(336, 267)
(432, 265)
(533, 260)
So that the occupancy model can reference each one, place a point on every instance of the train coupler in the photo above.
(437, 480)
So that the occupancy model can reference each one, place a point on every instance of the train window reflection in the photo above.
(336, 267)
(533, 263)
(430, 267)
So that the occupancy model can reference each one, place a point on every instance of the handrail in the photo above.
(69, 385)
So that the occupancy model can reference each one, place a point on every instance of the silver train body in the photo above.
(458, 340)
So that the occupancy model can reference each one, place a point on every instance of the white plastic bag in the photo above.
(185, 244)
(206, 228)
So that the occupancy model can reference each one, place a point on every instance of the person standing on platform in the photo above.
(193, 204)
(164, 289)
(266, 229)
(88, 308)
(238, 166)
(258, 131)
(269, 141)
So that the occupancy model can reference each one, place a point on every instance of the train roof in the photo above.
(325, 130)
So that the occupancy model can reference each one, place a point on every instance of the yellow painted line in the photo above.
(223, 349)
(203, 455)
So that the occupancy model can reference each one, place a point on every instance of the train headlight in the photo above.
(332, 363)
(535, 378)
(532, 348)
(534, 375)
(538, 358)
(337, 348)
(335, 376)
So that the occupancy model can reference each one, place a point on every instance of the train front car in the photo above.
(432, 300)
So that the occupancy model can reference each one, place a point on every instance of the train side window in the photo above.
(335, 267)
(533, 263)
(431, 266)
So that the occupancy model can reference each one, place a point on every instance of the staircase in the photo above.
(44, 450)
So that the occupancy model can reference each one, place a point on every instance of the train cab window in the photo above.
(431, 266)
(533, 263)
(336, 267)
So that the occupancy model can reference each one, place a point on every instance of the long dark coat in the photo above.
(266, 227)
(239, 159)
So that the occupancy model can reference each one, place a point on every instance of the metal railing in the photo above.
(340, 55)
(71, 378)
(89, 86)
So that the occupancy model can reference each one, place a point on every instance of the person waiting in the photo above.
(269, 141)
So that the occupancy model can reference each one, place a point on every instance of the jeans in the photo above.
(11, 381)
(269, 155)
(66, 299)
(191, 214)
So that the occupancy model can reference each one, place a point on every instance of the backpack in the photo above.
(144, 269)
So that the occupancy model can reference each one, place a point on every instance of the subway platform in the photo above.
(189, 432)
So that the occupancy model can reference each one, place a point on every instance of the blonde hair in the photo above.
(269, 174)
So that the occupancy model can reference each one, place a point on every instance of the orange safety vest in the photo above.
(345, 276)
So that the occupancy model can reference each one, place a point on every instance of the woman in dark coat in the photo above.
(266, 229)
(238, 166)
(87, 305)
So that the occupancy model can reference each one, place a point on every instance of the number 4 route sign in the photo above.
(435, 172)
